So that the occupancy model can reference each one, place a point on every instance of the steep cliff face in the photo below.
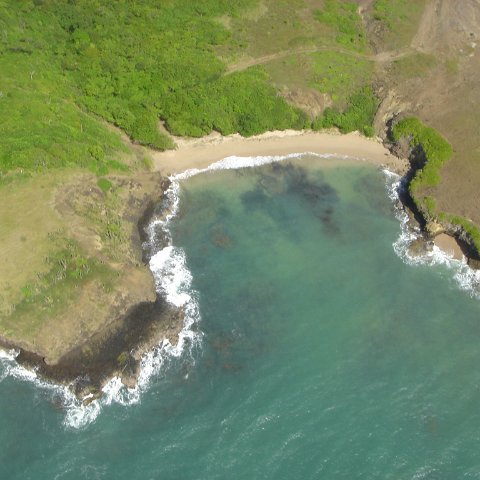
(103, 305)
(422, 152)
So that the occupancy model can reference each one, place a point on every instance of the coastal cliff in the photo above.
(427, 151)
(96, 308)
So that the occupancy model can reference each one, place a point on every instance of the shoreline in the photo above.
(194, 154)
(202, 152)
(138, 317)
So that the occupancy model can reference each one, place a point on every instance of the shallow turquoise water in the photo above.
(323, 355)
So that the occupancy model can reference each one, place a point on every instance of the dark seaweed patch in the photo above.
(233, 347)
(278, 179)
(220, 237)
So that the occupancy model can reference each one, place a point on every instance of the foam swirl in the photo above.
(465, 277)
(174, 280)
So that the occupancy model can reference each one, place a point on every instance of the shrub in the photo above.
(437, 150)
(358, 115)
(104, 184)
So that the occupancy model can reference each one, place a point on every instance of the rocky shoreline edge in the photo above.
(117, 349)
(433, 230)
(132, 328)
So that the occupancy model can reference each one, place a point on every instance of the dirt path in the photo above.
(382, 57)
(448, 25)
(444, 24)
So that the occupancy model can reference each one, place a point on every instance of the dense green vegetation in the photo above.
(437, 150)
(243, 102)
(129, 64)
(41, 125)
(358, 115)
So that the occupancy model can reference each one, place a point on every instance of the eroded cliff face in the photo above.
(437, 81)
(102, 308)
(433, 225)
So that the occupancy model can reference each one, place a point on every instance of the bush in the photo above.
(358, 115)
(437, 150)
(104, 184)
(242, 102)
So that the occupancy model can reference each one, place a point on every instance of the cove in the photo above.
(321, 354)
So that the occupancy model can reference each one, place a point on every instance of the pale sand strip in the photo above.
(200, 153)
(449, 245)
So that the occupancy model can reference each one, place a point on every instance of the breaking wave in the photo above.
(465, 277)
(173, 280)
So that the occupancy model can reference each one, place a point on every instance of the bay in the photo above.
(323, 355)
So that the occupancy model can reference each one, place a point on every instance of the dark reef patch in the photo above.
(275, 180)
(254, 199)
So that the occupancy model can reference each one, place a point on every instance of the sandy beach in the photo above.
(449, 245)
(200, 153)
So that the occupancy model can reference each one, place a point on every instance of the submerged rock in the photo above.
(419, 247)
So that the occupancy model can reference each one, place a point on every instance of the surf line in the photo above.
(466, 278)
(174, 281)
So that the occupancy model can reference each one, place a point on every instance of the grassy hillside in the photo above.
(133, 65)
(130, 65)
(395, 21)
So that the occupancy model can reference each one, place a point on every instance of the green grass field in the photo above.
(340, 75)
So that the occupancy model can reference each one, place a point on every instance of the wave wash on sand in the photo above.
(173, 280)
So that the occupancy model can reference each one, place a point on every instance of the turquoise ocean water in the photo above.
(315, 351)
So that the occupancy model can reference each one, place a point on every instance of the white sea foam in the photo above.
(234, 162)
(172, 276)
(78, 415)
(173, 279)
(466, 278)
